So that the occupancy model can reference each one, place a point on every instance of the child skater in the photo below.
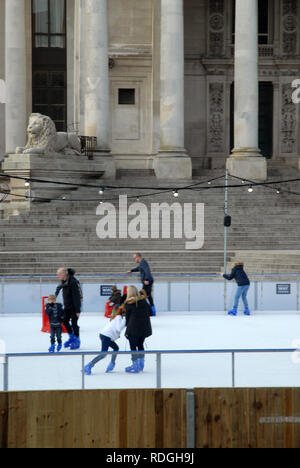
(243, 283)
(108, 336)
(56, 316)
(115, 299)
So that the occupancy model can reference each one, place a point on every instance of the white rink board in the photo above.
(185, 296)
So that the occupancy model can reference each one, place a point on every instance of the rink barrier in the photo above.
(172, 293)
(158, 353)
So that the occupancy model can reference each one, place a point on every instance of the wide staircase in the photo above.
(265, 231)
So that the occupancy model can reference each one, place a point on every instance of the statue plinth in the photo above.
(72, 169)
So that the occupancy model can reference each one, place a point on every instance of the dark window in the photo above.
(49, 60)
(49, 23)
(263, 21)
(127, 96)
(49, 96)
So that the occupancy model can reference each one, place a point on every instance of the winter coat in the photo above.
(239, 275)
(138, 318)
(71, 272)
(144, 271)
(72, 293)
(114, 328)
(55, 313)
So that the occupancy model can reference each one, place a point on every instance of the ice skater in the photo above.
(56, 315)
(108, 338)
(72, 296)
(238, 273)
(146, 276)
(115, 299)
(138, 327)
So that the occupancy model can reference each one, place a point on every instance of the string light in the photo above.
(155, 191)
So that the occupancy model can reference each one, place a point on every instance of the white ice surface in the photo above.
(21, 334)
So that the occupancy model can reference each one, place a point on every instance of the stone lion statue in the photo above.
(44, 139)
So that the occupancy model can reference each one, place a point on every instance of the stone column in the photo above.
(246, 160)
(97, 112)
(15, 75)
(172, 160)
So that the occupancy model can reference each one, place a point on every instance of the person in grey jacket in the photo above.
(146, 277)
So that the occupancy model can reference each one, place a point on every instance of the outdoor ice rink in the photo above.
(21, 334)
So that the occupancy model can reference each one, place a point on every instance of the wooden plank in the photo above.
(296, 399)
(17, 420)
(174, 419)
(288, 412)
(203, 418)
(3, 419)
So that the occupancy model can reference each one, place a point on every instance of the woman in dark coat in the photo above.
(138, 326)
(238, 273)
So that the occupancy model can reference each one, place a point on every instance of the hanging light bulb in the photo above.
(278, 191)
(250, 189)
(175, 193)
(27, 184)
(101, 191)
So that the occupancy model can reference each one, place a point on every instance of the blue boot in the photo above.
(141, 362)
(233, 312)
(70, 341)
(88, 369)
(134, 369)
(154, 313)
(52, 349)
(76, 344)
(110, 367)
(59, 346)
(247, 312)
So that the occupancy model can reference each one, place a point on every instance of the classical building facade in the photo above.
(154, 79)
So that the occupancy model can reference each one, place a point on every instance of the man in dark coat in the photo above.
(72, 296)
(146, 277)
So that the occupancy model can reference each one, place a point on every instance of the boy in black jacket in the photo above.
(56, 316)
(243, 283)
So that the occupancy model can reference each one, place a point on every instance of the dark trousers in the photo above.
(137, 344)
(56, 331)
(106, 344)
(71, 322)
(148, 290)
